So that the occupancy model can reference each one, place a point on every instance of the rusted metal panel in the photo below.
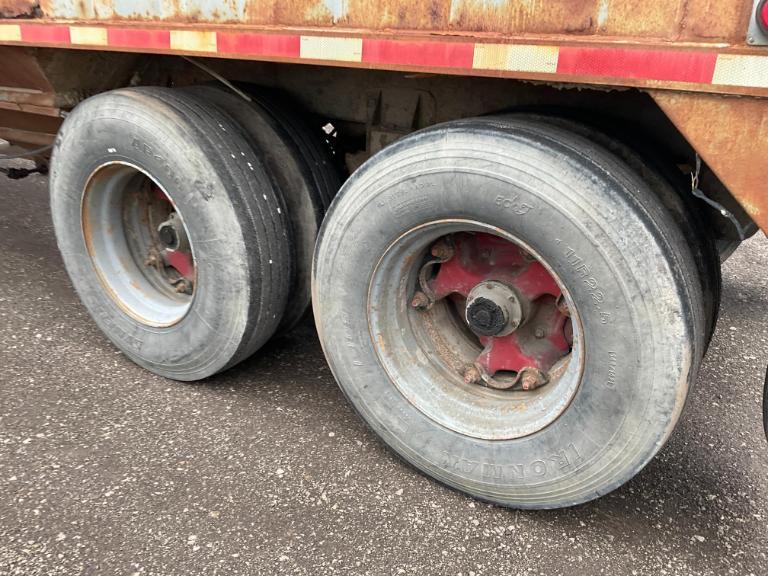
(731, 136)
(415, 15)
(19, 8)
(668, 20)
(570, 16)
(714, 20)
(21, 70)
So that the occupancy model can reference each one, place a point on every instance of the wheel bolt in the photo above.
(153, 261)
(529, 381)
(539, 333)
(442, 250)
(182, 286)
(472, 375)
(420, 300)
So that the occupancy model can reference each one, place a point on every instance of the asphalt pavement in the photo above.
(108, 469)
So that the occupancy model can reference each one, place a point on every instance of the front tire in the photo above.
(170, 229)
(630, 279)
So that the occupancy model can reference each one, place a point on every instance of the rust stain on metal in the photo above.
(442, 348)
(21, 70)
(715, 20)
(415, 15)
(536, 16)
(638, 18)
(19, 9)
(731, 136)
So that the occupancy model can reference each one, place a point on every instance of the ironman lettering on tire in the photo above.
(510, 308)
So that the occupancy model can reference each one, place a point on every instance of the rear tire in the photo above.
(292, 175)
(597, 226)
(201, 162)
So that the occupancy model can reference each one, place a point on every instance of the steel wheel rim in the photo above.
(422, 353)
(121, 209)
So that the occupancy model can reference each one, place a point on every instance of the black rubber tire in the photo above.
(293, 179)
(669, 186)
(236, 223)
(585, 205)
(307, 141)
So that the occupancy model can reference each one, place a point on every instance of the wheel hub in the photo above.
(491, 387)
(493, 309)
(509, 300)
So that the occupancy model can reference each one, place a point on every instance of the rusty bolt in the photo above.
(539, 333)
(529, 381)
(182, 286)
(420, 300)
(442, 250)
(152, 260)
(471, 375)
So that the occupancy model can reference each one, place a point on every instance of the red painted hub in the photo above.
(542, 339)
(180, 260)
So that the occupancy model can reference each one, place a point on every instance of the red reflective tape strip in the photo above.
(438, 54)
(279, 45)
(138, 38)
(696, 67)
(45, 34)
(613, 63)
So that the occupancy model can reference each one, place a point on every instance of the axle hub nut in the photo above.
(172, 234)
(494, 309)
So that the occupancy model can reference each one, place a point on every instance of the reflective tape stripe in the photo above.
(88, 36)
(610, 63)
(138, 38)
(330, 48)
(263, 45)
(45, 34)
(663, 65)
(193, 41)
(516, 58)
(741, 70)
(412, 53)
(10, 33)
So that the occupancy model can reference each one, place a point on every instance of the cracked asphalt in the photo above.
(107, 469)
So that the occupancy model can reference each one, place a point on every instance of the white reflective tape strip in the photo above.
(88, 36)
(326, 48)
(193, 41)
(741, 70)
(10, 33)
(516, 58)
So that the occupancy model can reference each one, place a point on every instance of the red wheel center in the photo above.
(179, 258)
(542, 338)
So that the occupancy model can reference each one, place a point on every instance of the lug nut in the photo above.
(153, 261)
(182, 287)
(442, 251)
(472, 375)
(539, 333)
(529, 381)
(420, 300)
